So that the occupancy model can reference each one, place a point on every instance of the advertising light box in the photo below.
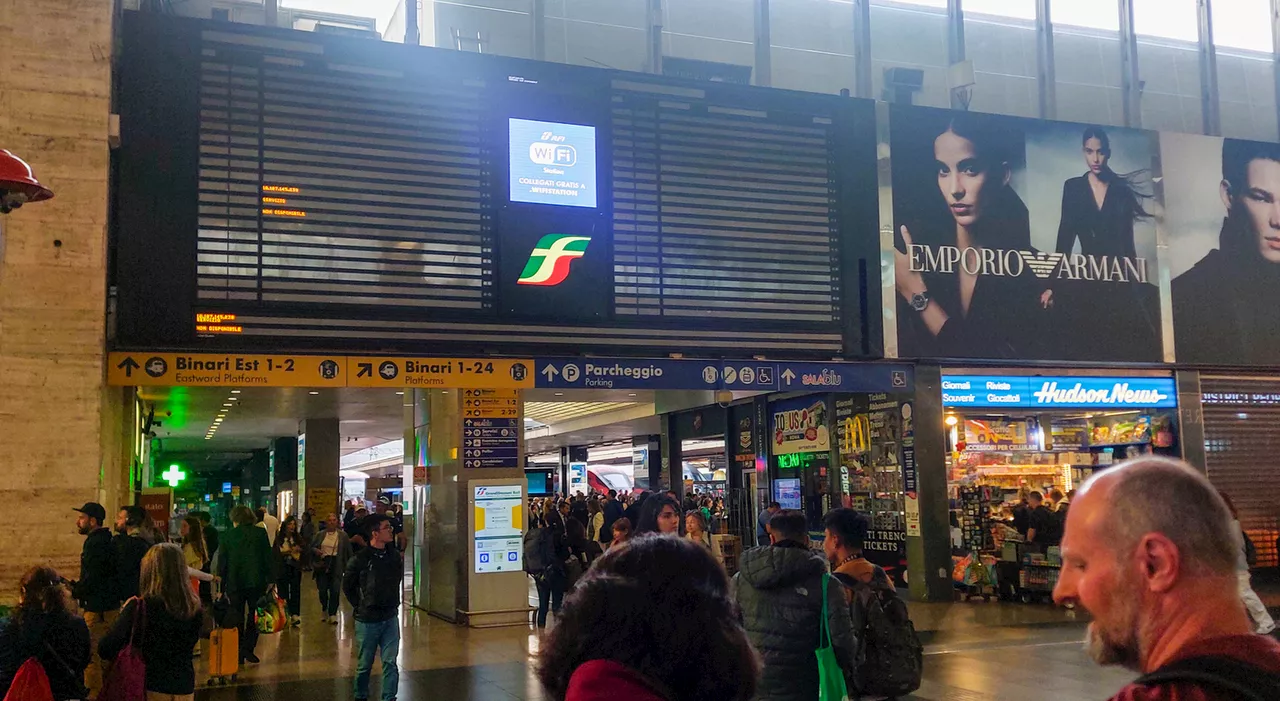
(1059, 392)
(553, 163)
(498, 535)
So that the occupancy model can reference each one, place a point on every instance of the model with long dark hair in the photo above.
(964, 313)
(1100, 207)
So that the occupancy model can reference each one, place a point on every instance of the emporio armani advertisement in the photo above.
(1222, 202)
(1023, 239)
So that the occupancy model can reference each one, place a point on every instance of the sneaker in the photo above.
(252, 658)
(324, 619)
(333, 620)
(295, 621)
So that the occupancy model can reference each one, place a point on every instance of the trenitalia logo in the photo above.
(549, 263)
(1119, 394)
(1014, 263)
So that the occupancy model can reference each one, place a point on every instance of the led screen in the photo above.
(553, 163)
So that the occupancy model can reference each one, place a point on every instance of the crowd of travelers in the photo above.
(144, 599)
(641, 608)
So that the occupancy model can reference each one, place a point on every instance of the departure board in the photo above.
(331, 193)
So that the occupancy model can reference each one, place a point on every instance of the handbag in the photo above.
(831, 685)
(30, 683)
(127, 678)
(270, 616)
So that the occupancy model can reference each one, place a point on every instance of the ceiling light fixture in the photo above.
(235, 391)
(227, 404)
(314, 392)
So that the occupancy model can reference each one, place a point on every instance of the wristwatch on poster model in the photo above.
(920, 301)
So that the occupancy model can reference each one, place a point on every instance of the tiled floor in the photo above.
(988, 651)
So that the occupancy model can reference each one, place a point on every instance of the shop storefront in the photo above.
(1008, 435)
(852, 450)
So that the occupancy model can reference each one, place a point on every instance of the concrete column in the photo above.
(1191, 419)
(538, 21)
(929, 554)
(1046, 73)
(568, 456)
(654, 22)
(1275, 48)
(54, 115)
(650, 469)
(1130, 79)
(319, 457)
(1209, 108)
(446, 584)
(862, 81)
(672, 476)
(763, 45)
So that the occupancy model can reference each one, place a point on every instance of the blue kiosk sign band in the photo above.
(740, 375)
(1059, 392)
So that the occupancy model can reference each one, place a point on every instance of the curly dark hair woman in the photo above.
(651, 621)
(43, 626)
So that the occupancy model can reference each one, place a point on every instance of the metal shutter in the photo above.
(723, 213)
(337, 185)
(1242, 452)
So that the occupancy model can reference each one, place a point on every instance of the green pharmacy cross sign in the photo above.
(174, 475)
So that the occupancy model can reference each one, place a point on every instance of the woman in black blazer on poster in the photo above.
(1099, 209)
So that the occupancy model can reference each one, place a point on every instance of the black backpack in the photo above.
(539, 550)
(1224, 674)
(891, 658)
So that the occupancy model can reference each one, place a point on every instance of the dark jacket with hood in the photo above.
(779, 590)
(59, 640)
(1221, 305)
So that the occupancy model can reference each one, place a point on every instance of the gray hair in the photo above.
(1159, 495)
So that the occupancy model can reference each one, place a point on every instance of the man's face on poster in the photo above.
(1258, 201)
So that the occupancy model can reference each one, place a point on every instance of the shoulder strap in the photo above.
(1246, 681)
(825, 639)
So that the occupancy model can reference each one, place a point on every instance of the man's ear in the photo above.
(1224, 191)
(1007, 175)
(1158, 562)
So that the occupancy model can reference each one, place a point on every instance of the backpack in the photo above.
(891, 658)
(539, 550)
(30, 683)
(127, 679)
(1243, 680)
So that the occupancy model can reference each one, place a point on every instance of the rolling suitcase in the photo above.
(222, 651)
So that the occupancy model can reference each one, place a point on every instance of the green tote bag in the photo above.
(831, 686)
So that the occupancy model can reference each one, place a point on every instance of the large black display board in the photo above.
(289, 189)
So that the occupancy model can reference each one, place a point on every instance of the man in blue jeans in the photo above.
(372, 582)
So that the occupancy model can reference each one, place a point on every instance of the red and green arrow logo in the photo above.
(549, 263)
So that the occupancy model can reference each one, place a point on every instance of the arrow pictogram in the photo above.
(128, 365)
(366, 370)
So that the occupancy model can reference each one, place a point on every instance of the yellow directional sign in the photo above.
(145, 368)
(461, 373)
(225, 370)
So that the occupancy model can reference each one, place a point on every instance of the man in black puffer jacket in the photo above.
(779, 590)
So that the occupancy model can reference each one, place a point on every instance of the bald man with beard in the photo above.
(1150, 553)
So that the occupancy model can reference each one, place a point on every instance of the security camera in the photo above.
(18, 185)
